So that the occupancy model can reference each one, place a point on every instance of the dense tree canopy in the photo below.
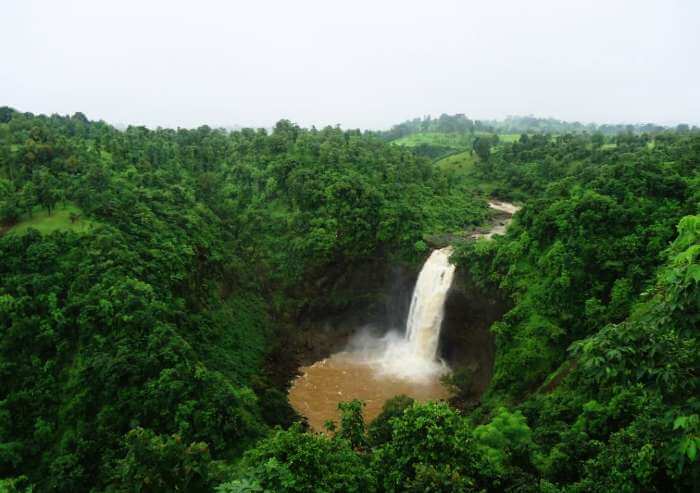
(145, 275)
(158, 316)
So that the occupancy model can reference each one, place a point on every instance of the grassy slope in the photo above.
(463, 164)
(435, 138)
(448, 139)
(508, 137)
(58, 220)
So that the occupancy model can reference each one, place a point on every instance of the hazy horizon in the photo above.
(361, 65)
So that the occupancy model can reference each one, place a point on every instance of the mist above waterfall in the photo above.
(393, 355)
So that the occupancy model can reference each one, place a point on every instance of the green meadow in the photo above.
(60, 219)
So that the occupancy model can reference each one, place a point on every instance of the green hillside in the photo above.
(456, 141)
(154, 350)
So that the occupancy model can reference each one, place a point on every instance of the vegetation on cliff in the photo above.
(133, 334)
(135, 322)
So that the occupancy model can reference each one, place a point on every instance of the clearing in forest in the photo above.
(60, 219)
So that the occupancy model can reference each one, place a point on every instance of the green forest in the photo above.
(154, 281)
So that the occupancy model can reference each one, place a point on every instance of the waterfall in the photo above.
(428, 304)
(413, 355)
(377, 367)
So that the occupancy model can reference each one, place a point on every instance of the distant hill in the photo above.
(461, 124)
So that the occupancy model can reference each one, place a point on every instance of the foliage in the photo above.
(157, 463)
(429, 441)
(148, 274)
(380, 428)
(170, 263)
(460, 382)
(582, 249)
(507, 434)
(295, 461)
(352, 424)
(531, 124)
(449, 124)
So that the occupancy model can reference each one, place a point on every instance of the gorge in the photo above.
(376, 367)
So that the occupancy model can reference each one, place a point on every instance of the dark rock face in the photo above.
(465, 340)
(374, 296)
(373, 292)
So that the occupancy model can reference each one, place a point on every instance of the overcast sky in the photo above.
(358, 63)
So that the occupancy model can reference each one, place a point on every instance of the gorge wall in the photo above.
(378, 296)
(466, 341)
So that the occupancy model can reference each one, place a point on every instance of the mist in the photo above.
(361, 64)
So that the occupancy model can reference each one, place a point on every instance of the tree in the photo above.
(155, 463)
(46, 186)
(28, 198)
(380, 428)
(482, 147)
(429, 441)
(10, 205)
(6, 114)
(352, 424)
(597, 140)
(294, 461)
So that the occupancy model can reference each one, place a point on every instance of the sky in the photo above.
(359, 63)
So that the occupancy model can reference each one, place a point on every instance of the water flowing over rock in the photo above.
(375, 369)
(428, 304)
(414, 356)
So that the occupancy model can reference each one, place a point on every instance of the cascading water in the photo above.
(414, 356)
(428, 303)
(376, 369)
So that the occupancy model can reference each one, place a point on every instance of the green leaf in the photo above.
(694, 273)
(692, 450)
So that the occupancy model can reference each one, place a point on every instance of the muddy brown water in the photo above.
(344, 377)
